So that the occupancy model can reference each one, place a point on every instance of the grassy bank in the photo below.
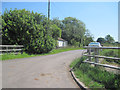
(110, 53)
(94, 77)
(111, 44)
(25, 55)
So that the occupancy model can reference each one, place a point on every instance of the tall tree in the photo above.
(57, 22)
(101, 40)
(55, 31)
(0, 30)
(88, 37)
(74, 29)
(109, 39)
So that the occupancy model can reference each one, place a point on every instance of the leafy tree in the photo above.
(58, 22)
(88, 37)
(29, 29)
(109, 39)
(73, 29)
(0, 29)
(101, 40)
(55, 31)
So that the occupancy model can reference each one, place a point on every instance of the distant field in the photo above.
(25, 55)
(111, 45)
(110, 53)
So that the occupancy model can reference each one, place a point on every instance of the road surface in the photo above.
(50, 71)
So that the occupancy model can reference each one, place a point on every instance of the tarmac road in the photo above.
(50, 71)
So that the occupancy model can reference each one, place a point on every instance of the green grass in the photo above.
(13, 56)
(25, 55)
(54, 51)
(81, 76)
(86, 80)
(77, 61)
(111, 45)
(74, 63)
(95, 77)
(110, 53)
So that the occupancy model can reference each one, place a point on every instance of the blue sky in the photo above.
(101, 18)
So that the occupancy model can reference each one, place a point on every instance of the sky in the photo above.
(100, 18)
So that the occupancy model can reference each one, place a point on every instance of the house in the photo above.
(62, 42)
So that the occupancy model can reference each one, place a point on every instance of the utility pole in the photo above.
(48, 10)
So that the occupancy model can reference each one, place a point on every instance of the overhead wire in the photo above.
(58, 10)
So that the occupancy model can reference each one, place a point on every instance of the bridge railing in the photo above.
(11, 49)
(96, 55)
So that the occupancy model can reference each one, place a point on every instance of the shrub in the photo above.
(21, 27)
(109, 80)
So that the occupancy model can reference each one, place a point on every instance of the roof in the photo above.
(61, 39)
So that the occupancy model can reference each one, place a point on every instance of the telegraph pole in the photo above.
(48, 10)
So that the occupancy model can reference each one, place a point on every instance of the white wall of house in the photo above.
(62, 43)
(65, 43)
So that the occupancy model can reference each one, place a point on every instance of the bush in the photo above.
(38, 46)
(21, 27)
(109, 80)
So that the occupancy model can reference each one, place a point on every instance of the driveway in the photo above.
(50, 71)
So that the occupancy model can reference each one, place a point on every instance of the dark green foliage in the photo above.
(18, 26)
(88, 37)
(30, 29)
(87, 40)
(108, 79)
(42, 45)
(0, 30)
(101, 40)
(73, 31)
(79, 61)
(58, 22)
(111, 53)
(55, 31)
(109, 39)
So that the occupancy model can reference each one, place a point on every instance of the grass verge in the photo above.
(111, 53)
(95, 77)
(25, 55)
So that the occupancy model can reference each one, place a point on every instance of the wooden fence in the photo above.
(96, 55)
(11, 49)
